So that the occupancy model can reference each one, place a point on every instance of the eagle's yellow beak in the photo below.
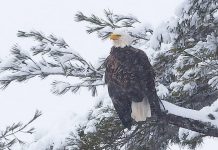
(114, 36)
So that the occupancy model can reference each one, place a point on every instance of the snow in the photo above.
(163, 33)
(214, 82)
(188, 134)
(215, 15)
(59, 87)
(90, 127)
(201, 115)
(176, 86)
(63, 126)
(97, 114)
(190, 87)
(162, 91)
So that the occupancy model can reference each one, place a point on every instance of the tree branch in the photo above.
(104, 26)
(8, 137)
(56, 59)
(195, 125)
(191, 119)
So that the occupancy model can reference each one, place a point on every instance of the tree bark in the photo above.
(195, 125)
(195, 120)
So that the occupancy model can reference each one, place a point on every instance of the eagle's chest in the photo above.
(121, 68)
(120, 63)
(123, 59)
(126, 57)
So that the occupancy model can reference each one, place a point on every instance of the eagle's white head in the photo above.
(121, 39)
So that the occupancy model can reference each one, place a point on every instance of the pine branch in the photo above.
(190, 119)
(56, 59)
(104, 26)
(60, 87)
(38, 36)
(8, 137)
(205, 128)
(111, 20)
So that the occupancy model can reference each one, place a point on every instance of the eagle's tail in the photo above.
(141, 110)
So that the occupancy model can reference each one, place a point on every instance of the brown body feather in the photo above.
(130, 77)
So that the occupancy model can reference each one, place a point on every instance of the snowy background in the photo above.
(20, 100)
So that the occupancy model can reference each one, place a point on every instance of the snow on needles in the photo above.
(58, 132)
(162, 91)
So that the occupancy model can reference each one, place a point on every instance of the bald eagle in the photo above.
(130, 80)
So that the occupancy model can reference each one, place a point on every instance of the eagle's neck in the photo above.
(127, 46)
(116, 49)
(129, 50)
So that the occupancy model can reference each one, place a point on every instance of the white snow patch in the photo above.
(201, 115)
(214, 82)
(162, 91)
(188, 134)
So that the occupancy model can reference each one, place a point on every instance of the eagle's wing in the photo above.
(121, 102)
(146, 77)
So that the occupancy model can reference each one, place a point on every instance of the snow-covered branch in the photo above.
(51, 56)
(105, 26)
(8, 137)
(111, 21)
(204, 121)
(59, 87)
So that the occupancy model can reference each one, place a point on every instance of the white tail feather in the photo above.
(141, 110)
